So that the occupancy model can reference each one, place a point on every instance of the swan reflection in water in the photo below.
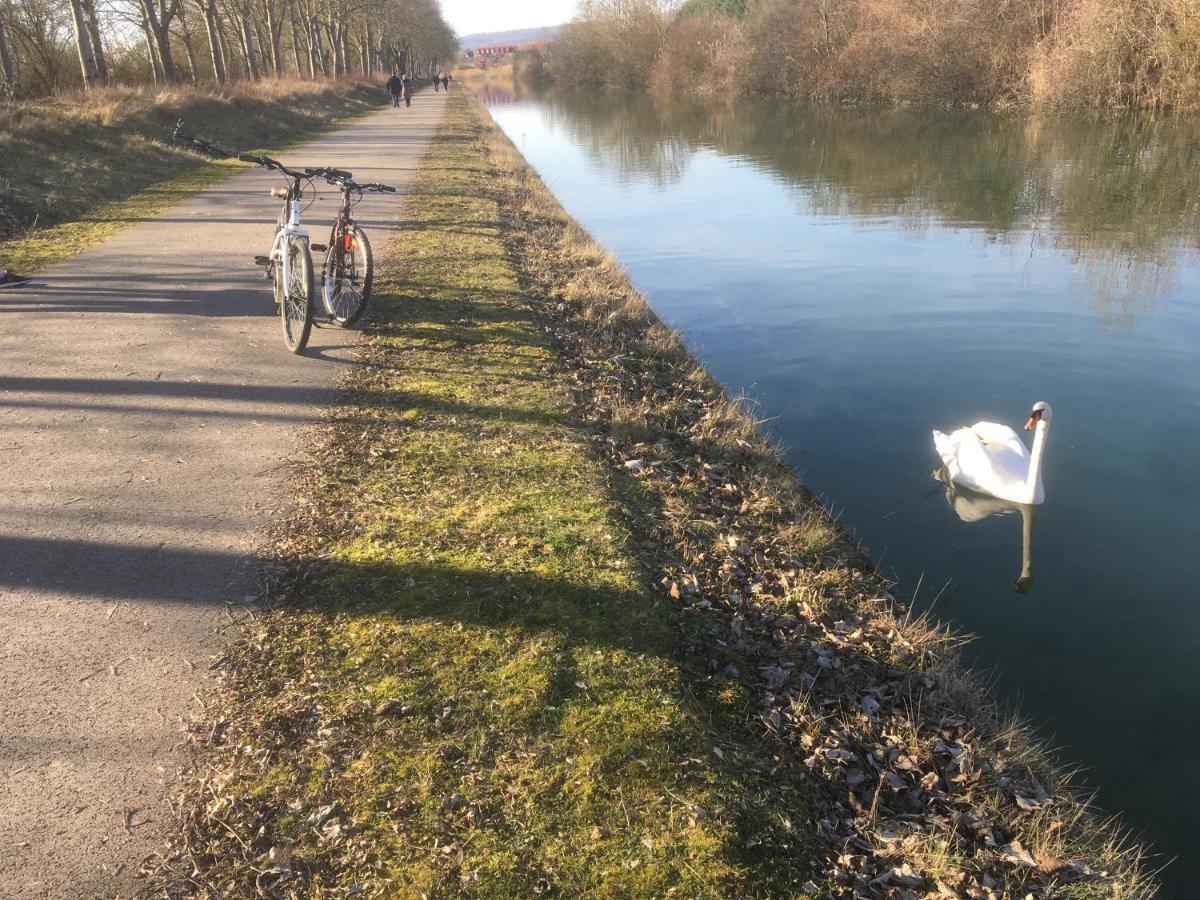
(972, 506)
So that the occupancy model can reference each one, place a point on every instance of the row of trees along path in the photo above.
(49, 45)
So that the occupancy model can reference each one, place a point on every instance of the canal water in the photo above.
(870, 275)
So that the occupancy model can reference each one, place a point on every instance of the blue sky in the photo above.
(470, 16)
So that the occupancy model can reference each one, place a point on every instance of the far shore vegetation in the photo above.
(1052, 53)
(551, 618)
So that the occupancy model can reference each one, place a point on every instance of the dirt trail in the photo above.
(147, 410)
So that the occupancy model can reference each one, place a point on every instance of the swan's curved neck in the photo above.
(1033, 481)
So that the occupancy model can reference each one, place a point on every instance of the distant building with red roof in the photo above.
(492, 55)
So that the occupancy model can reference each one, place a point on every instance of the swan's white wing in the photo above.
(994, 434)
(993, 467)
(945, 445)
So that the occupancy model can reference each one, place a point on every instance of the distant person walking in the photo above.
(446, 82)
(407, 83)
(394, 86)
(437, 83)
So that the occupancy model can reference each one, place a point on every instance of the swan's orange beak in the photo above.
(1033, 420)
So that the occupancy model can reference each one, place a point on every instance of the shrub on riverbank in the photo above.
(94, 156)
(1126, 53)
(701, 55)
(1056, 52)
(611, 43)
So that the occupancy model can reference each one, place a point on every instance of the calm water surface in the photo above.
(868, 276)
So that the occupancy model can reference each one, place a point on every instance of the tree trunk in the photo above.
(310, 52)
(311, 46)
(10, 86)
(162, 39)
(228, 56)
(263, 44)
(336, 46)
(158, 24)
(246, 37)
(83, 44)
(347, 55)
(209, 9)
(296, 48)
(275, 36)
(155, 67)
(189, 49)
(368, 41)
(93, 28)
(319, 48)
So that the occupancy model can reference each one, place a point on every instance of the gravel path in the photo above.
(147, 410)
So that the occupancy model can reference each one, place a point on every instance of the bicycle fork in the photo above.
(280, 259)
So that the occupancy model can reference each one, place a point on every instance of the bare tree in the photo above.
(83, 46)
(11, 86)
(185, 34)
(208, 9)
(157, 16)
(273, 12)
(93, 29)
(50, 43)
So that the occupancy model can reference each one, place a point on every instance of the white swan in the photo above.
(992, 458)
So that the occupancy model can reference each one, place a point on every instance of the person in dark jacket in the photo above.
(446, 82)
(394, 86)
(437, 83)
(408, 89)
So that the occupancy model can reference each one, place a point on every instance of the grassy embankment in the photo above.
(558, 620)
(74, 171)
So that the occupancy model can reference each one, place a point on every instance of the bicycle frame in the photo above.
(289, 229)
(343, 224)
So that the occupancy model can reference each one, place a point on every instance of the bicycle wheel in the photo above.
(347, 277)
(295, 312)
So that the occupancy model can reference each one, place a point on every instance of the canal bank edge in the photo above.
(558, 618)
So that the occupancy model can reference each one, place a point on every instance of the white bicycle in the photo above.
(289, 265)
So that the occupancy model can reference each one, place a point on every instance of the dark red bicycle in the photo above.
(348, 270)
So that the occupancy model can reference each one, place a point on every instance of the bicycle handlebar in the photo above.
(326, 172)
(267, 163)
(344, 181)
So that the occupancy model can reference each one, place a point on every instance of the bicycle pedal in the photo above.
(320, 248)
(262, 260)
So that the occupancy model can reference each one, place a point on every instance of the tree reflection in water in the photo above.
(1117, 193)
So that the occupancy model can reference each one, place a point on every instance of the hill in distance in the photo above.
(517, 36)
